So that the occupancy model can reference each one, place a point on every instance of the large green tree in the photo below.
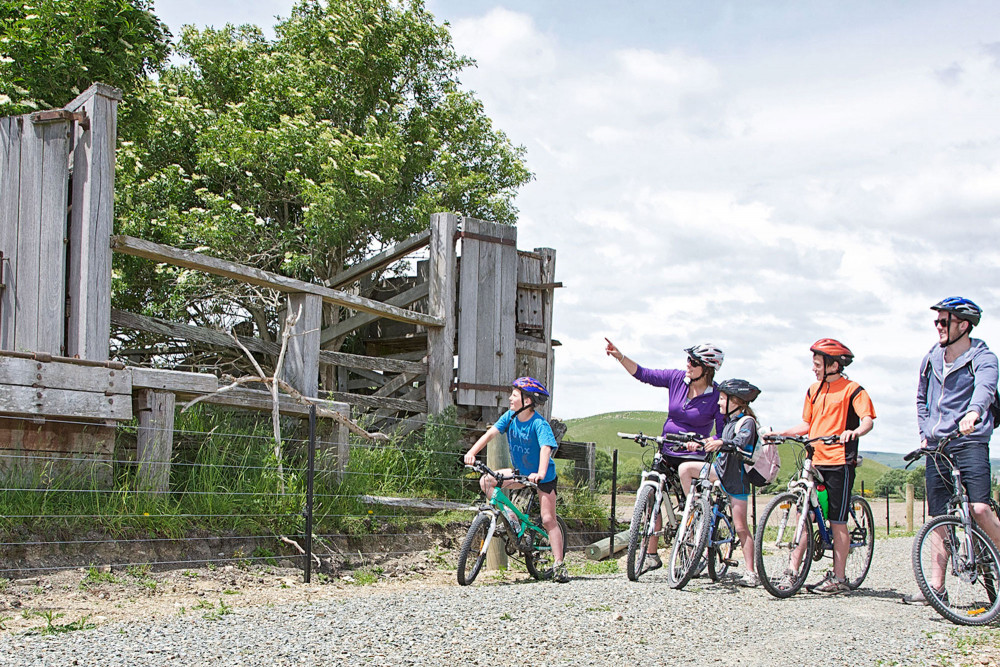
(303, 153)
(51, 50)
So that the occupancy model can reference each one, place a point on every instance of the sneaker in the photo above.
(652, 562)
(919, 599)
(559, 573)
(827, 576)
(787, 579)
(831, 586)
(748, 580)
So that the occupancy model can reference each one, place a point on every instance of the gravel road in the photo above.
(593, 620)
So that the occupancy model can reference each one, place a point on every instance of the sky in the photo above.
(757, 175)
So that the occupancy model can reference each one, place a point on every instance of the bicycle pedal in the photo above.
(731, 562)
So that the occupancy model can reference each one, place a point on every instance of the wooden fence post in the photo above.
(155, 440)
(909, 507)
(441, 303)
(301, 367)
(88, 327)
(548, 297)
(497, 457)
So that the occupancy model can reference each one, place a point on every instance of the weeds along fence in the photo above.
(228, 502)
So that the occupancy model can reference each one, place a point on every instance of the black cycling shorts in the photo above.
(973, 460)
(548, 487)
(839, 481)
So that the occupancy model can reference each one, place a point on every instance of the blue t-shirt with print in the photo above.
(525, 440)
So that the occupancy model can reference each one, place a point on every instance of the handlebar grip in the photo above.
(914, 455)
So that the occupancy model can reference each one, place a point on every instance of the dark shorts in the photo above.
(973, 459)
(839, 481)
(548, 487)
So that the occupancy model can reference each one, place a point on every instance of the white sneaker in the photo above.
(748, 580)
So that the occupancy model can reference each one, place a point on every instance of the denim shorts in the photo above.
(973, 460)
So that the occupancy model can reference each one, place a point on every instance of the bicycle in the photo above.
(785, 543)
(707, 522)
(659, 493)
(967, 590)
(520, 531)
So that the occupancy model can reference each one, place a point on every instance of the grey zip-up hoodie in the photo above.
(942, 400)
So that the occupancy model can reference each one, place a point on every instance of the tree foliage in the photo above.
(300, 154)
(51, 51)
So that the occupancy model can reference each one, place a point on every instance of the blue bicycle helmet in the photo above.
(532, 387)
(961, 308)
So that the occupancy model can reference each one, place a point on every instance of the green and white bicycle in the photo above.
(520, 531)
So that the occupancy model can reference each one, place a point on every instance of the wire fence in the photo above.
(229, 500)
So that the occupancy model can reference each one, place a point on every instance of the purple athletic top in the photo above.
(697, 415)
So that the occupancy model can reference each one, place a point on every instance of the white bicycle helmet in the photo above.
(707, 354)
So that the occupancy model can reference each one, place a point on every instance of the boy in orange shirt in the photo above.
(835, 405)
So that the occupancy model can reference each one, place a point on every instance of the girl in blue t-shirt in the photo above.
(532, 444)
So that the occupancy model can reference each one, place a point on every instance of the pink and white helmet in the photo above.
(707, 354)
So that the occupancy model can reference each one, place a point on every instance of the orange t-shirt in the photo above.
(831, 409)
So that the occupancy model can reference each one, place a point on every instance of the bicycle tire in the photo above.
(861, 523)
(474, 545)
(722, 545)
(539, 560)
(689, 544)
(969, 596)
(638, 538)
(774, 546)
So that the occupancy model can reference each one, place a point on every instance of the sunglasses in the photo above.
(943, 324)
(693, 362)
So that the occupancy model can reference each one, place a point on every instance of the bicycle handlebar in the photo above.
(516, 476)
(774, 438)
(669, 438)
(937, 450)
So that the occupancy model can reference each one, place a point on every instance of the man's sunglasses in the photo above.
(943, 324)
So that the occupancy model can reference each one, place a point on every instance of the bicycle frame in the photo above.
(658, 481)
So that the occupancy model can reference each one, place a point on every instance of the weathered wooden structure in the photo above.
(476, 313)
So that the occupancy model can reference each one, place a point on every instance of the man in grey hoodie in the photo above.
(958, 382)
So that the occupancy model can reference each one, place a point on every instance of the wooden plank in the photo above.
(381, 260)
(208, 336)
(259, 400)
(10, 184)
(507, 324)
(55, 375)
(50, 284)
(377, 402)
(350, 324)
(529, 301)
(468, 321)
(415, 394)
(154, 439)
(488, 316)
(220, 267)
(418, 503)
(301, 367)
(88, 327)
(63, 403)
(441, 304)
(548, 300)
(397, 383)
(25, 283)
(175, 381)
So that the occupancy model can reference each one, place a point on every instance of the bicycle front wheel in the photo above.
(639, 531)
(472, 555)
(957, 569)
(782, 561)
(720, 550)
(862, 527)
(541, 559)
(689, 543)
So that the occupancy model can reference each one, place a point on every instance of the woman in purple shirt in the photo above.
(693, 403)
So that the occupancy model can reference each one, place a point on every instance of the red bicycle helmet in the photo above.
(833, 349)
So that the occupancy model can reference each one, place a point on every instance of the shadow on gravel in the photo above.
(881, 593)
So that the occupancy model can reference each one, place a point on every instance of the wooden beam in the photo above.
(441, 303)
(176, 381)
(155, 439)
(381, 260)
(192, 260)
(350, 324)
(128, 320)
(378, 402)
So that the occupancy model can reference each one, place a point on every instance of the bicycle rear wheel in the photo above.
(862, 527)
(638, 538)
(967, 566)
(720, 549)
(689, 543)
(540, 559)
(782, 562)
(472, 555)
